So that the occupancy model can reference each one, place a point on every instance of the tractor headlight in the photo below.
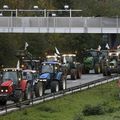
(6, 90)
(117, 54)
(42, 79)
(110, 54)
(2, 90)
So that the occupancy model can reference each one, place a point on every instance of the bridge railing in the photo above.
(59, 24)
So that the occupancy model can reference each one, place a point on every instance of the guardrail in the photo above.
(12, 107)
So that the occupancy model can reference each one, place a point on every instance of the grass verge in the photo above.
(101, 99)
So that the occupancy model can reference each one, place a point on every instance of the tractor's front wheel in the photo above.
(54, 86)
(97, 69)
(39, 89)
(18, 96)
(73, 74)
(63, 84)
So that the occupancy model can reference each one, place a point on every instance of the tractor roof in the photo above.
(28, 70)
(52, 63)
(11, 69)
(69, 55)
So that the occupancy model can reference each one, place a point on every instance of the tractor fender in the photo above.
(58, 76)
(23, 84)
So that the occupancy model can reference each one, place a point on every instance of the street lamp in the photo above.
(5, 7)
(35, 7)
(66, 6)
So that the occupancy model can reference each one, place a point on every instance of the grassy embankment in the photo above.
(70, 107)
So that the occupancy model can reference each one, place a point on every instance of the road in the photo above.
(84, 79)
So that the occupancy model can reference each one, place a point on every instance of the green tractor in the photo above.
(71, 66)
(92, 61)
(112, 63)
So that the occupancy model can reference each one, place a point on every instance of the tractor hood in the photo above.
(88, 60)
(7, 83)
(45, 76)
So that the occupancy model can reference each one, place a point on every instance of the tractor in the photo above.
(13, 86)
(71, 66)
(51, 77)
(17, 85)
(52, 58)
(112, 63)
(27, 61)
(91, 60)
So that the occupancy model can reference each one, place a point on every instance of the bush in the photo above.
(78, 117)
(93, 110)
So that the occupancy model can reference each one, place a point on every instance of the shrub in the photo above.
(78, 117)
(93, 110)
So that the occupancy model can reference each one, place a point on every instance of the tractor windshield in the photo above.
(52, 58)
(10, 76)
(47, 68)
(69, 58)
(94, 53)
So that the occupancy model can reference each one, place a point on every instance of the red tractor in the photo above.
(14, 87)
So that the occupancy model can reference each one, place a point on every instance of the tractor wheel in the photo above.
(73, 74)
(97, 68)
(54, 86)
(86, 71)
(3, 102)
(18, 96)
(106, 72)
(79, 72)
(28, 92)
(39, 89)
(63, 84)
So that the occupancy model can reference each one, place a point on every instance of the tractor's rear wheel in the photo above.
(97, 68)
(3, 102)
(73, 74)
(39, 89)
(79, 72)
(63, 84)
(54, 86)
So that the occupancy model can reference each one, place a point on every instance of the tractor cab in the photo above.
(114, 55)
(50, 67)
(49, 70)
(11, 74)
(69, 57)
(53, 58)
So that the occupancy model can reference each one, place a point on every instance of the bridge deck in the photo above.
(59, 25)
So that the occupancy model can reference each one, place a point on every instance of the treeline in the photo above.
(41, 44)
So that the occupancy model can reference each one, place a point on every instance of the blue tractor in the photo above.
(51, 77)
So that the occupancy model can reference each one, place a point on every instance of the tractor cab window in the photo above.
(10, 76)
(47, 68)
(94, 53)
(49, 59)
(69, 58)
(27, 75)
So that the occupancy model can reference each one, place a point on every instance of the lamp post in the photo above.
(5, 7)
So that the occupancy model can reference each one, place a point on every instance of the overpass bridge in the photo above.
(56, 24)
